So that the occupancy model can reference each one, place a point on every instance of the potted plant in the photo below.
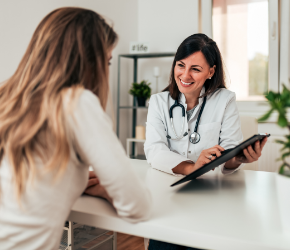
(141, 91)
(280, 102)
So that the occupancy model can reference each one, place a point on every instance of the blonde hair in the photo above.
(68, 50)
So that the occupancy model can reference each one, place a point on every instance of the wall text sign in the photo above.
(138, 47)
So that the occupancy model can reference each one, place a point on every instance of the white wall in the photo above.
(164, 24)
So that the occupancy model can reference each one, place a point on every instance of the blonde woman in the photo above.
(53, 127)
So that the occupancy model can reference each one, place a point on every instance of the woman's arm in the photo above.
(94, 188)
(98, 146)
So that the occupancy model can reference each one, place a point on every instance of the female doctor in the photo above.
(195, 118)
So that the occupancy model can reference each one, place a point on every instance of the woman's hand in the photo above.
(94, 187)
(249, 155)
(93, 179)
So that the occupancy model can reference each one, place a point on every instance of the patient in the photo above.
(53, 127)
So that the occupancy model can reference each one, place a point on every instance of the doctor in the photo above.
(195, 118)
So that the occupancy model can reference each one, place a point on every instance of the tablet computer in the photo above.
(226, 155)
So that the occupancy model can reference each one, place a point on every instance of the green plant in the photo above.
(141, 89)
(280, 102)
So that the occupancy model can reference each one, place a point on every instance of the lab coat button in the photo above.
(189, 152)
(189, 129)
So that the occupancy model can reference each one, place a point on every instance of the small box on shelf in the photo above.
(132, 140)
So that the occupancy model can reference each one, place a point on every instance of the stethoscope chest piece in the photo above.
(194, 137)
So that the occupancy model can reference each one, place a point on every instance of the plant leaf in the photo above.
(282, 121)
(280, 142)
(281, 169)
(285, 155)
(266, 116)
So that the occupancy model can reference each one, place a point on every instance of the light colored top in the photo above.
(219, 124)
(216, 211)
(46, 205)
(189, 113)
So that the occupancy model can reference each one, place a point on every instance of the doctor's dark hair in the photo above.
(208, 47)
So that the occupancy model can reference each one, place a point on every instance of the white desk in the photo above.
(237, 211)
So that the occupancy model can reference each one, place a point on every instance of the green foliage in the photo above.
(280, 102)
(141, 89)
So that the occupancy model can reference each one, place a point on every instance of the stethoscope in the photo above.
(195, 136)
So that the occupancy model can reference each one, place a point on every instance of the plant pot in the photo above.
(283, 188)
(141, 101)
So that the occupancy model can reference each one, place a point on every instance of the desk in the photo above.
(234, 212)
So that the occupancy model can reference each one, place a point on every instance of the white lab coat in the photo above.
(219, 124)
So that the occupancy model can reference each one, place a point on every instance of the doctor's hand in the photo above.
(208, 155)
(94, 188)
(205, 157)
(249, 155)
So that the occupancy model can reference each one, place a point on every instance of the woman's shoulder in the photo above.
(80, 100)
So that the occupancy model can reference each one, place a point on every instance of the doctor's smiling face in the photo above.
(197, 63)
(191, 73)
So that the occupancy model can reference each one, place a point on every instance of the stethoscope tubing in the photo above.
(181, 136)
(176, 104)
(199, 115)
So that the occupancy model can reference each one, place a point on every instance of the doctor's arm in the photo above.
(249, 155)
(156, 147)
(231, 136)
(206, 156)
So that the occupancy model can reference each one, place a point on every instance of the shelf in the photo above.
(148, 55)
(132, 107)
(135, 140)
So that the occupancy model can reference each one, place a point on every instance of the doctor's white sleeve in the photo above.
(231, 132)
(99, 147)
(156, 146)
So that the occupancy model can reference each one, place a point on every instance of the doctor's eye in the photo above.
(180, 65)
(195, 69)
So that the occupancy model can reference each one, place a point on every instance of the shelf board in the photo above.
(148, 55)
(135, 140)
(132, 107)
